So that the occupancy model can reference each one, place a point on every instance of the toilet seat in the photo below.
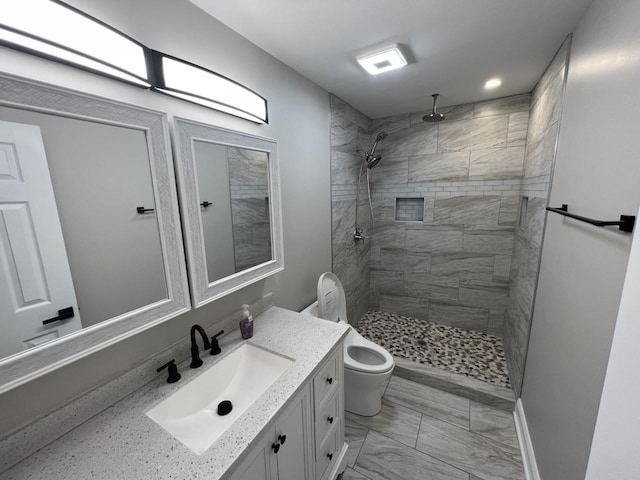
(360, 361)
(365, 356)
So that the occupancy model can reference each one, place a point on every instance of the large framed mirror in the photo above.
(91, 249)
(230, 200)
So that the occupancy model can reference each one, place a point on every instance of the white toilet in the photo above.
(367, 366)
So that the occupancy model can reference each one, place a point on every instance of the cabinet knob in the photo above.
(282, 439)
(330, 456)
(330, 380)
(330, 419)
(275, 447)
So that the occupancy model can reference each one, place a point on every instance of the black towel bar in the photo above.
(625, 223)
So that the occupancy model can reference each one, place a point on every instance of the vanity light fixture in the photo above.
(390, 58)
(56, 31)
(196, 84)
(492, 83)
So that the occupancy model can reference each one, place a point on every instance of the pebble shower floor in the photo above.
(475, 354)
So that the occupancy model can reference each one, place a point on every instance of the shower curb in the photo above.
(461, 385)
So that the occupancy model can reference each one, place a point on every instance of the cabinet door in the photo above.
(294, 455)
(258, 465)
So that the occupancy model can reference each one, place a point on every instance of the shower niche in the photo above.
(409, 209)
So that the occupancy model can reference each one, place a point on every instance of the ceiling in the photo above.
(453, 46)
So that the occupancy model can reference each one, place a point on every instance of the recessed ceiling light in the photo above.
(492, 83)
(383, 60)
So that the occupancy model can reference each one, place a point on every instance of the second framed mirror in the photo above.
(230, 200)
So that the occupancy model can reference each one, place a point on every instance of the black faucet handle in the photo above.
(215, 346)
(171, 366)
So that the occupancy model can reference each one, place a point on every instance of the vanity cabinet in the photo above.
(328, 407)
(307, 440)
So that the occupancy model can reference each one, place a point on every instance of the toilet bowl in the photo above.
(367, 366)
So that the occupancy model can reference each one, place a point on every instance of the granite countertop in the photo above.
(122, 442)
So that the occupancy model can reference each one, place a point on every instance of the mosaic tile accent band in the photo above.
(468, 352)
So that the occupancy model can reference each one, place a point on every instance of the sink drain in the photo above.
(224, 408)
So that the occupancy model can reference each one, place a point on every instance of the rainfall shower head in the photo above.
(434, 116)
(371, 159)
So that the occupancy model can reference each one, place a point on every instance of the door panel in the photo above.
(35, 279)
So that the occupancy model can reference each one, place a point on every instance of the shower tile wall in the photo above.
(453, 266)
(249, 179)
(350, 130)
(546, 105)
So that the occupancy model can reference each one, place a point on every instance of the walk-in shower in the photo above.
(369, 161)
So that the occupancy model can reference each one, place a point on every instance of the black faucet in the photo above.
(195, 351)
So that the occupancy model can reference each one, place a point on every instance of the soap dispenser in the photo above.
(246, 324)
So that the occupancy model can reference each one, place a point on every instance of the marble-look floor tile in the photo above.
(384, 459)
(429, 401)
(395, 421)
(354, 434)
(350, 474)
(469, 451)
(494, 424)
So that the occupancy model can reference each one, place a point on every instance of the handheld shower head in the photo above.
(372, 160)
(434, 116)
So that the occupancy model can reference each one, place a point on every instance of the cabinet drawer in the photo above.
(325, 381)
(327, 454)
(327, 417)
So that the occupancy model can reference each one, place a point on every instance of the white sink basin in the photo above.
(190, 414)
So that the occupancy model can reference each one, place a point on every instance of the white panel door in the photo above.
(35, 278)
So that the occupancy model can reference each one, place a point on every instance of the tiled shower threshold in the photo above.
(447, 358)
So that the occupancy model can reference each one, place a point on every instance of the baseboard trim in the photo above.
(526, 447)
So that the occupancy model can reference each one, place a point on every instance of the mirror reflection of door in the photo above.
(35, 278)
(213, 188)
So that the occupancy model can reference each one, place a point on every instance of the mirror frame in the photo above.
(186, 132)
(31, 95)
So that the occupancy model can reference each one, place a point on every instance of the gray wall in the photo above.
(100, 174)
(582, 269)
(350, 130)
(546, 106)
(453, 266)
(299, 119)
